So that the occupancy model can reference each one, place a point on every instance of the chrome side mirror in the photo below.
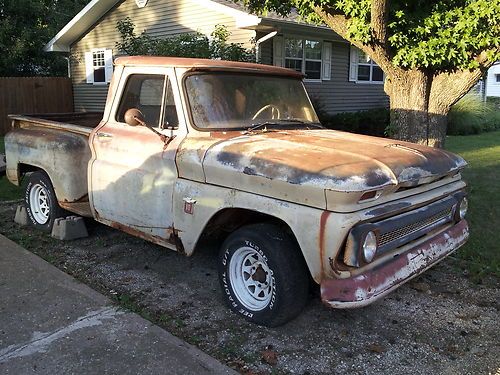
(134, 117)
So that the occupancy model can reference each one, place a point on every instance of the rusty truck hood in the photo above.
(298, 163)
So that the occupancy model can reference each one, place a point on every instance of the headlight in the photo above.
(369, 246)
(462, 209)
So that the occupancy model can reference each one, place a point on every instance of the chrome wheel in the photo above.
(40, 204)
(251, 278)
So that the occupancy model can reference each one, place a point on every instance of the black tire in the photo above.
(39, 181)
(288, 290)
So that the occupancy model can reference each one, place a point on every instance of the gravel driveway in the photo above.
(440, 323)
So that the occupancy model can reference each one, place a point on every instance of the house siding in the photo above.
(341, 95)
(160, 18)
(338, 94)
(492, 86)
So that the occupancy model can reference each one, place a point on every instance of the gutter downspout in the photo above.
(69, 66)
(261, 40)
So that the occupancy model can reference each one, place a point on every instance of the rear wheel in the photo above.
(41, 202)
(263, 275)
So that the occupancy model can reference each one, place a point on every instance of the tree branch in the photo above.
(378, 21)
(449, 88)
(377, 51)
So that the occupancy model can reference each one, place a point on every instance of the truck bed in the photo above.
(58, 145)
(75, 122)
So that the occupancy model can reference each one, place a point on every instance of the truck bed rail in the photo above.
(79, 123)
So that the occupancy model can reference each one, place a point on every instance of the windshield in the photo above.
(240, 101)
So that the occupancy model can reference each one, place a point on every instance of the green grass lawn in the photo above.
(8, 191)
(482, 253)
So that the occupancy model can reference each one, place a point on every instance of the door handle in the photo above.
(104, 135)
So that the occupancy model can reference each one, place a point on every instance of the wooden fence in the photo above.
(24, 95)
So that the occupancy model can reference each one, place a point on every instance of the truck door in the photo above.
(132, 172)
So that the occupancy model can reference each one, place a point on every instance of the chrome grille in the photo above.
(401, 232)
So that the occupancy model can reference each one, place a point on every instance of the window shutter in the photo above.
(326, 64)
(89, 67)
(353, 64)
(108, 61)
(278, 50)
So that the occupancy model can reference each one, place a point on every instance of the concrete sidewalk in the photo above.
(52, 324)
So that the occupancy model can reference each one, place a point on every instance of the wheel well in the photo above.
(226, 221)
(24, 169)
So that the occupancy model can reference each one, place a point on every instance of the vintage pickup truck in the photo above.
(189, 147)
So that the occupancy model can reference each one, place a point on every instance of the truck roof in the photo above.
(206, 65)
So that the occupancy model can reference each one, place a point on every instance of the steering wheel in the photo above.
(275, 112)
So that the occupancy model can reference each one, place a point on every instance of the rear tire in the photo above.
(41, 202)
(263, 275)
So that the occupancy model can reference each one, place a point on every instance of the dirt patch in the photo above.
(440, 323)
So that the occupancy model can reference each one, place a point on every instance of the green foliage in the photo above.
(371, 122)
(440, 35)
(183, 45)
(25, 27)
(480, 255)
(472, 116)
(8, 191)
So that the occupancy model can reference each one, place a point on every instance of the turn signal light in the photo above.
(370, 195)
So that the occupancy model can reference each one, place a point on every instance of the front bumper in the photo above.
(365, 288)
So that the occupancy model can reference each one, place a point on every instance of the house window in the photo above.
(304, 55)
(497, 77)
(99, 66)
(364, 69)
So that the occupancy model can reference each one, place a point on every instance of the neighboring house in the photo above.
(492, 86)
(338, 75)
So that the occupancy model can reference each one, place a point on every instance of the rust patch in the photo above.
(368, 286)
(137, 233)
(322, 234)
(330, 159)
(176, 240)
(206, 65)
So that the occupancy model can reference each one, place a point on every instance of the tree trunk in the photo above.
(410, 118)
(420, 102)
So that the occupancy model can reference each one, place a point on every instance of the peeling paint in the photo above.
(372, 284)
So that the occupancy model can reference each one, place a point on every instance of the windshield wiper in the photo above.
(260, 125)
(284, 122)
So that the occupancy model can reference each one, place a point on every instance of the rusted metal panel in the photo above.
(55, 122)
(63, 155)
(212, 199)
(300, 165)
(205, 64)
(378, 280)
(133, 171)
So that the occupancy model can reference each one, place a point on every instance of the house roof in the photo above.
(88, 16)
(95, 9)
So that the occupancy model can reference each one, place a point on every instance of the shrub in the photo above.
(193, 44)
(370, 122)
(473, 116)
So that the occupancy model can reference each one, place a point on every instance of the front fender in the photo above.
(207, 200)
